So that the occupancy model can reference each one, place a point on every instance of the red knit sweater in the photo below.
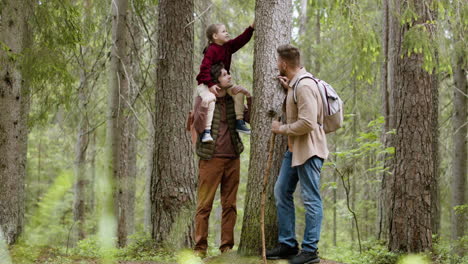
(216, 53)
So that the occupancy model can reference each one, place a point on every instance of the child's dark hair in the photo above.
(216, 70)
(210, 30)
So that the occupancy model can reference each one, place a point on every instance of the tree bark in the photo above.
(118, 125)
(383, 225)
(415, 113)
(460, 130)
(81, 177)
(273, 28)
(317, 40)
(15, 35)
(92, 172)
(82, 142)
(149, 172)
(173, 178)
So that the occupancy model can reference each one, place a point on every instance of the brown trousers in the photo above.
(211, 173)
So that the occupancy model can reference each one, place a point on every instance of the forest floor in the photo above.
(231, 258)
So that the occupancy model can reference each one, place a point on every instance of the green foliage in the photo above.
(374, 252)
(49, 215)
(368, 144)
(57, 23)
(143, 247)
(419, 40)
(24, 254)
(461, 209)
(57, 31)
(443, 250)
(88, 248)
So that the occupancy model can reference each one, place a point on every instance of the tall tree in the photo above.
(173, 178)
(15, 38)
(118, 125)
(414, 86)
(82, 142)
(272, 28)
(460, 130)
(387, 103)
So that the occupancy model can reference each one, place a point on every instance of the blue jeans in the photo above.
(308, 174)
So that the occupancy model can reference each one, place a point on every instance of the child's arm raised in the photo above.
(240, 41)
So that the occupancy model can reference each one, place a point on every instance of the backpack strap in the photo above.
(305, 76)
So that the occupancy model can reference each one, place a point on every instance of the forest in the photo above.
(97, 166)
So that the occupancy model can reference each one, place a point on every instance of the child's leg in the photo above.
(238, 104)
(239, 108)
(210, 99)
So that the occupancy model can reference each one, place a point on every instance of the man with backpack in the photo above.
(302, 162)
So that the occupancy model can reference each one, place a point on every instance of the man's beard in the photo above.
(282, 72)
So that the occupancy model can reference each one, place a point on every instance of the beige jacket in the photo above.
(306, 136)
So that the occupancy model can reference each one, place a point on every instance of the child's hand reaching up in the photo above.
(214, 89)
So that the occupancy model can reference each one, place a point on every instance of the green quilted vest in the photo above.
(206, 150)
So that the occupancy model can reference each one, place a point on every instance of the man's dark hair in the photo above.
(216, 71)
(290, 54)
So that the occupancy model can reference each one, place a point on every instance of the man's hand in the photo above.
(214, 89)
(284, 82)
(275, 127)
(239, 89)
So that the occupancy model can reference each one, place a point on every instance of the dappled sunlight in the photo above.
(107, 222)
(414, 259)
(187, 256)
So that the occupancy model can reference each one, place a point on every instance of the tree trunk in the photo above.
(459, 166)
(149, 171)
(303, 18)
(273, 28)
(317, 41)
(92, 172)
(383, 205)
(173, 179)
(15, 36)
(82, 143)
(205, 21)
(118, 125)
(415, 112)
(81, 178)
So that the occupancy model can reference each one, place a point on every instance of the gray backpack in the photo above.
(332, 103)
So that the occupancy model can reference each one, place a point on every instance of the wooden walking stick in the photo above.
(266, 173)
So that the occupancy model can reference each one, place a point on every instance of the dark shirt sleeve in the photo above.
(199, 116)
(240, 41)
(205, 68)
(248, 110)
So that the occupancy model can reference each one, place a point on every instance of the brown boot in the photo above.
(225, 250)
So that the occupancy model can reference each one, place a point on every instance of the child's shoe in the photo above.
(241, 127)
(206, 136)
